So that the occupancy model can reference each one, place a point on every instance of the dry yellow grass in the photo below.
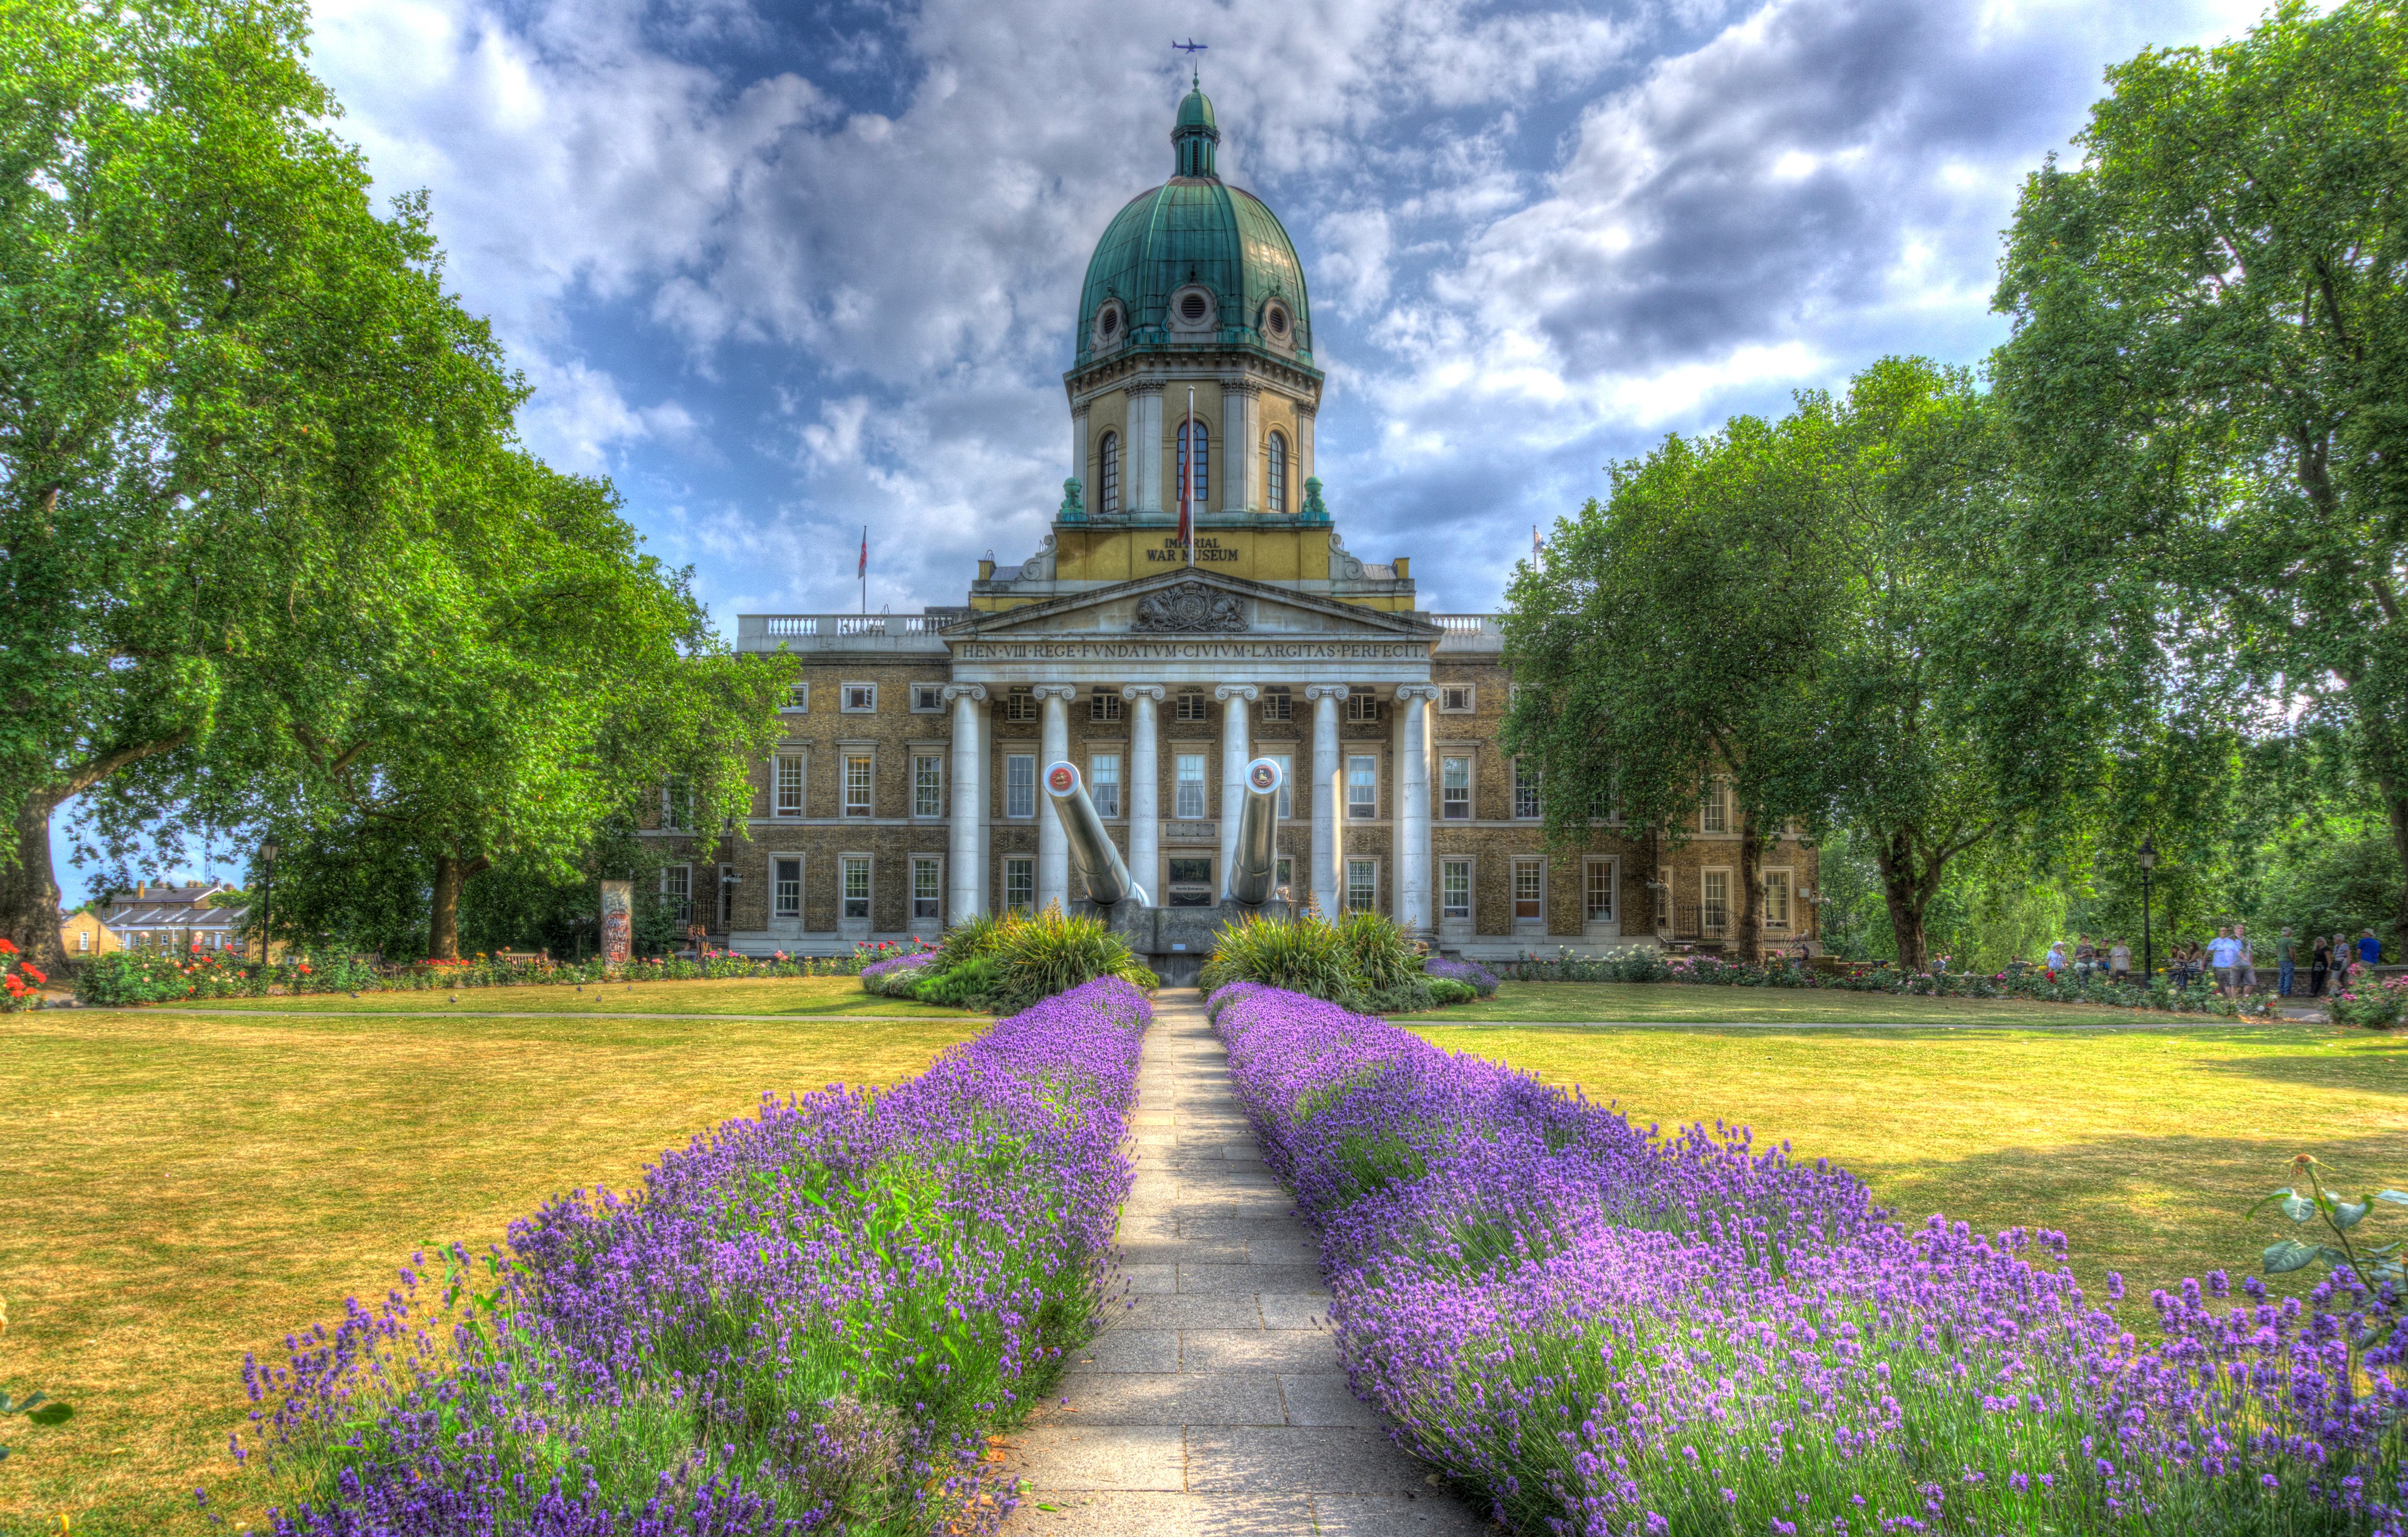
(2145, 1147)
(180, 1189)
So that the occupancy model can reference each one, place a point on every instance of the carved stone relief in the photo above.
(1190, 607)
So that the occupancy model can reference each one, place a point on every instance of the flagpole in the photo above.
(864, 572)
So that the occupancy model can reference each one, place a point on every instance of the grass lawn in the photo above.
(798, 995)
(2145, 1147)
(183, 1188)
(1647, 1003)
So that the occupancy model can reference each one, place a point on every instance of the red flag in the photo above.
(863, 570)
(1186, 473)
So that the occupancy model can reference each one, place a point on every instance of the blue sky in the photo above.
(782, 270)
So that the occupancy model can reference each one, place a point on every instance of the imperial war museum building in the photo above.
(904, 795)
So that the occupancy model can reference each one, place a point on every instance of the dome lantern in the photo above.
(1194, 135)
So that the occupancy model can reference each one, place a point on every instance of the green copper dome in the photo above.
(1195, 263)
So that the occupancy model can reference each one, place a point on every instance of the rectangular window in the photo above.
(676, 805)
(1104, 704)
(856, 885)
(1454, 699)
(788, 797)
(1192, 706)
(676, 892)
(1104, 782)
(859, 699)
(1187, 802)
(1663, 904)
(1287, 782)
(1019, 785)
(1362, 885)
(1525, 791)
(1362, 708)
(1597, 902)
(927, 784)
(1284, 875)
(1278, 705)
(1529, 890)
(1715, 912)
(927, 894)
(798, 698)
(1020, 705)
(1713, 816)
(1362, 787)
(1454, 789)
(1776, 899)
(1191, 880)
(1455, 889)
(928, 698)
(726, 899)
(857, 783)
(1020, 885)
(786, 888)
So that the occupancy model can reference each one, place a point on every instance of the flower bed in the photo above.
(141, 976)
(1647, 963)
(1598, 1330)
(20, 980)
(805, 1320)
(2361, 1001)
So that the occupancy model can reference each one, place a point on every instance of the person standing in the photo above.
(2119, 963)
(2319, 965)
(2225, 954)
(2287, 963)
(2056, 955)
(2369, 949)
(2247, 965)
(2085, 957)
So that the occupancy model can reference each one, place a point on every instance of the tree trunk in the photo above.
(1908, 885)
(452, 874)
(1750, 935)
(2396, 804)
(29, 892)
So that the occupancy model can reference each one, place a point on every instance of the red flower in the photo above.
(7, 947)
(28, 969)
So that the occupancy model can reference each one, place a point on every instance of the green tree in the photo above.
(2209, 371)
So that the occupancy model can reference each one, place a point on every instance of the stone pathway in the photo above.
(1215, 1406)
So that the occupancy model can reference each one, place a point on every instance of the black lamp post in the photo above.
(267, 852)
(2148, 944)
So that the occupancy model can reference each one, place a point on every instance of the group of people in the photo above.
(2228, 960)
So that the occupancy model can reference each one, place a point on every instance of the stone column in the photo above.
(1241, 424)
(986, 893)
(1141, 467)
(1145, 789)
(1329, 796)
(1303, 470)
(1079, 452)
(962, 855)
(1415, 908)
(1235, 698)
(1052, 844)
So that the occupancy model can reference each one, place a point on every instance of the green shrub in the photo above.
(972, 937)
(1303, 955)
(1447, 992)
(969, 985)
(1038, 957)
(1382, 959)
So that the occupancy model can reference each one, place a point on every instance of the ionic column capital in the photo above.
(1064, 692)
(1427, 692)
(1225, 692)
(1148, 691)
(1324, 691)
(964, 691)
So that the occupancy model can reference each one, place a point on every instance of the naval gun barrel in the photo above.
(1098, 865)
(1255, 862)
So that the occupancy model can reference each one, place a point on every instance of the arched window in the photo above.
(1275, 474)
(1107, 474)
(1197, 492)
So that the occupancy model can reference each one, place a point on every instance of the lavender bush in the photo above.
(893, 976)
(1481, 981)
(804, 1322)
(1598, 1329)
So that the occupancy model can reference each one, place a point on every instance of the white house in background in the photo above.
(173, 919)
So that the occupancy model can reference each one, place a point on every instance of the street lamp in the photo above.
(267, 852)
(2148, 945)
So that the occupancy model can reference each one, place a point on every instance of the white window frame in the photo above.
(1020, 704)
(934, 802)
(1781, 879)
(1283, 874)
(1463, 911)
(1456, 698)
(934, 695)
(677, 886)
(83, 941)
(1191, 704)
(1611, 869)
(1374, 813)
(1362, 709)
(723, 906)
(857, 700)
(1013, 786)
(1020, 869)
(1525, 793)
(1179, 785)
(1102, 788)
(1471, 804)
(677, 817)
(779, 786)
(1522, 864)
(799, 699)
(1104, 707)
(845, 865)
(846, 757)
(1714, 810)
(1707, 880)
(932, 906)
(1346, 892)
(778, 892)
(1278, 704)
(1287, 783)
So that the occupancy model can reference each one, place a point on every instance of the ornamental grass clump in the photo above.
(1362, 960)
(1599, 1329)
(805, 1321)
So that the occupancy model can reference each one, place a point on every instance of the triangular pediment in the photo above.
(1192, 602)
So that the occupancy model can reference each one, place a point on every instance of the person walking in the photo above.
(2119, 963)
(2287, 963)
(2369, 949)
(2225, 952)
(2319, 965)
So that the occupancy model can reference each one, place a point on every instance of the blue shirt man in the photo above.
(2369, 949)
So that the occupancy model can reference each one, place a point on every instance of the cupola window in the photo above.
(1107, 474)
(1192, 308)
(1275, 321)
(1110, 323)
(1200, 490)
(1275, 473)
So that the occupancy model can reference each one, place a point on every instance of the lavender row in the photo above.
(805, 1321)
(1596, 1329)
